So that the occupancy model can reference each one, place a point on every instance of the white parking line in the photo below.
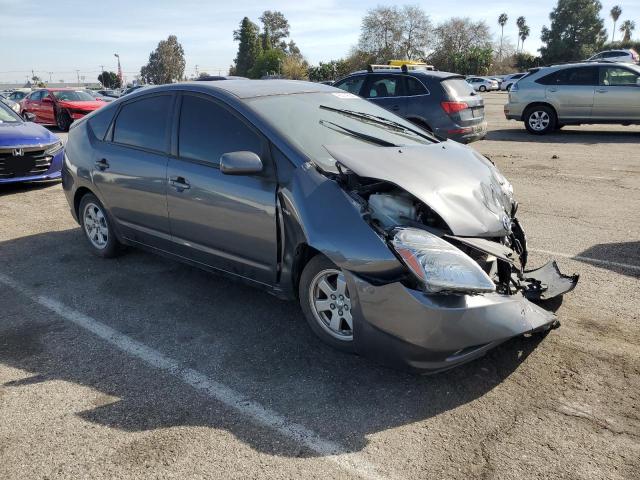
(351, 462)
(595, 261)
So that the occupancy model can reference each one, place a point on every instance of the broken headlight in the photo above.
(438, 265)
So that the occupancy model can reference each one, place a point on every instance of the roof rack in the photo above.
(403, 68)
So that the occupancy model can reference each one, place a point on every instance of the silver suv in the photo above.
(548, 98)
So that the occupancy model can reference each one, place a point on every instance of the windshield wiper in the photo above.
(360, 135)
(378, 120)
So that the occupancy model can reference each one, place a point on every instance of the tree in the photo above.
(502, 21)
(295, 67)
(109, 80)
(166, 63)
(268, 63)
(461, 43)
(416, 32)
(331, 70)
(524, 34)
(627, 27)
(615, 13)
(520, 22)
(576, 31)
(276, 27)
(249, 48)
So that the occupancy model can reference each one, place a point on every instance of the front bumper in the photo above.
(52, 173)
(404, 327)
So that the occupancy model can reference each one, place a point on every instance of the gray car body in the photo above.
(425, 110)
(578, 104)
(297, 210)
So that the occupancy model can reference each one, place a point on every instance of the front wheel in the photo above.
(97, 227)
(326, 303)
(63, 121)
(540, 120)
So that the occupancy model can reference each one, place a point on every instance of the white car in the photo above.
(509, 80)
(482, 84)
(628, 55)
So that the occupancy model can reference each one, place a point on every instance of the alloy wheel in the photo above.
(539, 120)
(331, 304)
(95, 226)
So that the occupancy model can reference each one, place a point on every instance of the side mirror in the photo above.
(28, 116)
(240, 163)
(47, 100)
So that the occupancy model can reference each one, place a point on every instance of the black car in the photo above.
(440, 102)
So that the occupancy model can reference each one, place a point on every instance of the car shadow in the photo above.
(613, 256)
(234, 334)
(19, 187)
(567, 135)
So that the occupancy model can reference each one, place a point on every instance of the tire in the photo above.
(482, 88)
(559, 126)
(540, 120)
(63, 120)
(99, 233)
(329, 318)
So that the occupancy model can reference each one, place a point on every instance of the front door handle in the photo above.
(102, 164)
(601, 90)
(553, 89)
(179, 183)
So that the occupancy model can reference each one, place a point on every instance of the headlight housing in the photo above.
(438, 265)
(55, 148)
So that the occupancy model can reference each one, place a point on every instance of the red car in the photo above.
(59, 106)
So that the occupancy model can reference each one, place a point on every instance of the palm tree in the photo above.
(615, 13)
(520, 22)
(524, 34)
(627, 27)
(502, 21)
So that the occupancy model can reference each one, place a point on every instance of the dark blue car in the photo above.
(27, 151)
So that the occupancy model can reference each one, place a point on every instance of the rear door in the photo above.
(227, 222)
(31, 104)
(386, 90)
(571, 91)
(130, 169)
(618, 94)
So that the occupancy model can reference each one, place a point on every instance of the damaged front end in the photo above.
(449, 216)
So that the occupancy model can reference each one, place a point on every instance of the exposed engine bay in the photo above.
(387, 207)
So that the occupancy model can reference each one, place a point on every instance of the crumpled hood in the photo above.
(25, 134)
(82, 105)
(455, 181)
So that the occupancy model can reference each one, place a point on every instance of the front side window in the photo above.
(208, 130)
(352, 84)
(143, 123)
(383, 86)
(618, 77)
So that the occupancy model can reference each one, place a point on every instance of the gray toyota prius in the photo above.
(397, 244)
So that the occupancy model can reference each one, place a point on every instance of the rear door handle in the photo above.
(102, 164)
(179, 183)
(601, 90)
(553, 89)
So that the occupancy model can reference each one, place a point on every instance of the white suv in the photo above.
(629, 56)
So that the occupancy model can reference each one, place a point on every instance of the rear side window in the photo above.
(572, 76)
(415, 87)
(352, 84)
(208, 130)
(143, 123)
(36, 96)
(457, 87)
(99, 122)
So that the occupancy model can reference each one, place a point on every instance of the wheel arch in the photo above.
(539, 104)
(77, 198)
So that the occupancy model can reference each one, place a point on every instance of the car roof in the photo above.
(437, 74)
(262, 88)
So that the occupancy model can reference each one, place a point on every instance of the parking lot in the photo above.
(141, 367)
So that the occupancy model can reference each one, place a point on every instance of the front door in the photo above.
(223, 221)
(386, 91)
(130, 169)
(571, 92)
(47, 109)
(618, 95)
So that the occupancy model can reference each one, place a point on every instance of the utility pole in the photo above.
(78, 76)
(196, 71)
(119, 71)
(50, 73)
(101, 76)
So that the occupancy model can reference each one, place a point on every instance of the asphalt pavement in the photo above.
(141, 367)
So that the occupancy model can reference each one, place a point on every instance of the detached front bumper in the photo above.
(404, 327)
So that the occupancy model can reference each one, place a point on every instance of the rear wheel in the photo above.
(482, 88)
(326, 303)
(63, 120)
(97, 227)
(540, 120)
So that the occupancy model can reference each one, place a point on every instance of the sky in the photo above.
(64, 36)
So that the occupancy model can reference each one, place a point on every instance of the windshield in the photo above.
(72, 95)
(7, 115)
(311, 120)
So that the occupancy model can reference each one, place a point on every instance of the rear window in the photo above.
(457, 87)
(143, 123)
(99, 122)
